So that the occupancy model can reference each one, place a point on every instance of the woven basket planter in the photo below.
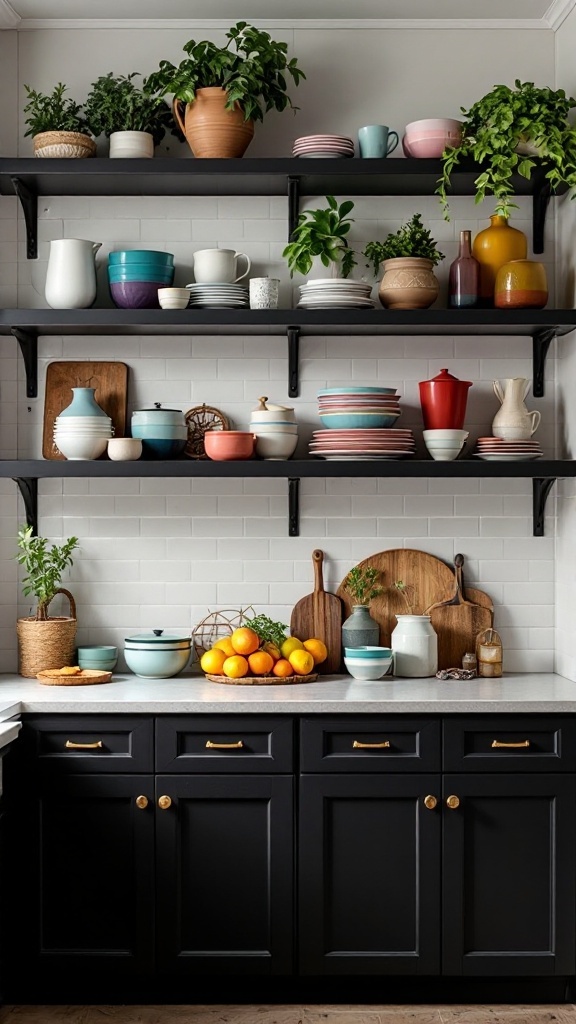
(64, 144)
(46, 643)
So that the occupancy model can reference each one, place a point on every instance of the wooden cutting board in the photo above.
(319, 615)
(458, 620)
(432, 580)
(111, 383)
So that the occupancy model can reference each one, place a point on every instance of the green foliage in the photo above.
(493, 128)
(322, 233)
(412, 239)
(360, 584)
(53, 112)
(254, 76)
(267, 629)
(116, 104)
(43, 566)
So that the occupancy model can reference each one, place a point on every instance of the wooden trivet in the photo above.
(88, 676)
(200, 419)
(263, 680)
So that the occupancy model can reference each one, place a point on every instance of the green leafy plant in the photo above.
(361, 584)
(412, 239)
(322, 233)
(117, 104)
(501, 121)
(268, 630)
(43, 566)
(254, 76)
(53, 112)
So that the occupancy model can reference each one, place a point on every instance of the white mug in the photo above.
(219, 266)
(264, 292)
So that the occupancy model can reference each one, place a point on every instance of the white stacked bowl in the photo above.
(276, 432)
(444, 445)
(82, 438)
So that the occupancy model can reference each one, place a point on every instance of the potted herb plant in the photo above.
(322, 233)
(44, 641)
(408, 258)
(134, 119)
(219, 92)
(360, 629)
(57, 125)
(505, 131)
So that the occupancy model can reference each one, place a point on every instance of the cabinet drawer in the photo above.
(224, 743)
(89, 743)
(489, 743)
(370, 743)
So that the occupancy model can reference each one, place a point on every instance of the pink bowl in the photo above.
(428, 149)
(431, 124)
(228, 445)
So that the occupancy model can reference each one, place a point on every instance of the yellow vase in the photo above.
(521, 284)
(493, 247)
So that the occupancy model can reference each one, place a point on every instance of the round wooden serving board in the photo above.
(263, 680)
(88, 676)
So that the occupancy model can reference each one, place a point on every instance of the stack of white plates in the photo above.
(82, 437)
(363, 444)
(232, 296)
(495, 449)
(335, 293)
(333, 146)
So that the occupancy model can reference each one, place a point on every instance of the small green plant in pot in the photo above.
(220, 91)
(322, 233)
(514, 130)
(408, 257)
(360, 629)
(134, 119)
(56, 124)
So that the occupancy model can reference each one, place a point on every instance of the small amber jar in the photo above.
(521, 284)
(489, 654)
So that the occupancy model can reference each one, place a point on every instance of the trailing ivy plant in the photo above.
(43, 566)
(254, 76)
(322, 233)
(117, 104)
(412, 239)
(496, 125)
(53, 112)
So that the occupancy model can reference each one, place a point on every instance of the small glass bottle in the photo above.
(464, 278)
(469, 662)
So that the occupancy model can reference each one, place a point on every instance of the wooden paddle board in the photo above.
(110, 380)
(319, 615)
(458, 619)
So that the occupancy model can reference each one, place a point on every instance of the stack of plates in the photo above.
(494, 449)
(363, 444)
(232, 296)
(335, 293)
(358, 407)
(333, 146)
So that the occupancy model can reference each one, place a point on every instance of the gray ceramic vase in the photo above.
(360, 629)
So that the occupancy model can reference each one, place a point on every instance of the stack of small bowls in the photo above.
(445, 445)
(135, 276)
(368, 663)
(98, 656)
(275, 429)
(82, 438)
(163, 432)
(427, 139)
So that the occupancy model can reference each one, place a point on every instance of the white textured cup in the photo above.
(264, 292)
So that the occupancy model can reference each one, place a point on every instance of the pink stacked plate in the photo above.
(388, 443)
(495, 449)
(334, 146)
(358, 407)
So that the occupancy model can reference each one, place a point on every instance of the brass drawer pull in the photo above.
(453, 802)
(71, 745)
(224, 746)
(142, 802)
(430, 802)
(358, 745)
(498, 744)
(164, 802)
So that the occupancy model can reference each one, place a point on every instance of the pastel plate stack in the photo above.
(224, 296)
(360, 425)
(81, 438)
(495, 449)
(323, 146)
(363, 444)
(335, 293)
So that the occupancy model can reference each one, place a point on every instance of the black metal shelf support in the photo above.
(294, 506)
(293, 204)
(29, 204)
(28, 342)
(541, 488)
(28, 487)
(540, 344)
(540, 200)
(293, 334)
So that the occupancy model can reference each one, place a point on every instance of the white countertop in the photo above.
(193, 694)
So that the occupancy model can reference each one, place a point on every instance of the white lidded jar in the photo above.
(415, 646)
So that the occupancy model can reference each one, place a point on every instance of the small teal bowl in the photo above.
(356, 420)
(124, 256)
(98, 652)
(163, 277)
(99, 666)
(358, 391)
(368, 653)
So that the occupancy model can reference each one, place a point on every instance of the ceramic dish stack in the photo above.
(135, 275)
(331, 146)
(335, 293)
(223, 296)
(495, 449)
(363, 444)
(360, 424)
(275, 430)
(82, 438)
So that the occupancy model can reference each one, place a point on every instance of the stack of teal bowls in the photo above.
(135, 275)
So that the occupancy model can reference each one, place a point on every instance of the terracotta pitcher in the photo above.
(210, 128)
(513, 422)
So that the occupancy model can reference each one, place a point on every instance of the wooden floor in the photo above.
(565, 1014)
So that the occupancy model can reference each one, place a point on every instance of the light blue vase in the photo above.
(83, 404)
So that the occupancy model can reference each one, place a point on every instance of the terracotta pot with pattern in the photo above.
(211, 129)
(408, 283)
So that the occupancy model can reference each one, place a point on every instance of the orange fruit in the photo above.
(302, 662)
(318, 650)
(283, 668)
(244, 640)
(290, 644)
(235, 667)
(272, 650)
(225, 644)
(261, 663)
(212, 661)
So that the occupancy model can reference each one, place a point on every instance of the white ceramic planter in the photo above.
(131, 145)
(415, 647)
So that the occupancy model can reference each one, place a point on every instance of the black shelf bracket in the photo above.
(28, 487)
(541, 488)
(29, 204)
(293, 334)
(28, 341)
(293, 204)
(294, 506)
(540, 345)
(540, 201)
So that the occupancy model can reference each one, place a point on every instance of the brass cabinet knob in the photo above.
(430, 802)
(142, 802)
(453, 802)
(164, 802)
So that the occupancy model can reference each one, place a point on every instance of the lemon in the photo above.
(212, 661)
(290, 644)
(302, 662)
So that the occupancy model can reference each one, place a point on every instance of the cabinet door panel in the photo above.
(369, 875)
(508, 875)
(225, 865)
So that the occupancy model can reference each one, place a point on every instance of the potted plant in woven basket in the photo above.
(45, 641)
(56, 124)
(134, 119)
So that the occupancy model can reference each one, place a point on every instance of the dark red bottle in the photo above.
(464, 280)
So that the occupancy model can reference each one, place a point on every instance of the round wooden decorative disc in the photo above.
(200, 419)
(87, 677)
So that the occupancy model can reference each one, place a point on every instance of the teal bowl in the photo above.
(127, 256)
(369, 653)
(97, 652)
(99, 666)
(155, 275)
(356, 420)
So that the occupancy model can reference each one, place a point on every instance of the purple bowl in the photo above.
(136, 294)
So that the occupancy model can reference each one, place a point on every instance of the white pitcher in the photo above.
(71, 275)
(513, 422)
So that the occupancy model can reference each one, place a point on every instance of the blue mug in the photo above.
(376, 141)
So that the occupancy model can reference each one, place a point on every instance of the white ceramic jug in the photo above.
(71, 275)
(513, 422)
(415, 645)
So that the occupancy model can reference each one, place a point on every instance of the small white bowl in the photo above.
(81, 448)
(124, 449)
(445, 435)
(276, 446)
(444, 454)
(367, 670)
(173, 298)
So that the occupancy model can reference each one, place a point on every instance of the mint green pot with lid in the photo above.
(156, 654)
